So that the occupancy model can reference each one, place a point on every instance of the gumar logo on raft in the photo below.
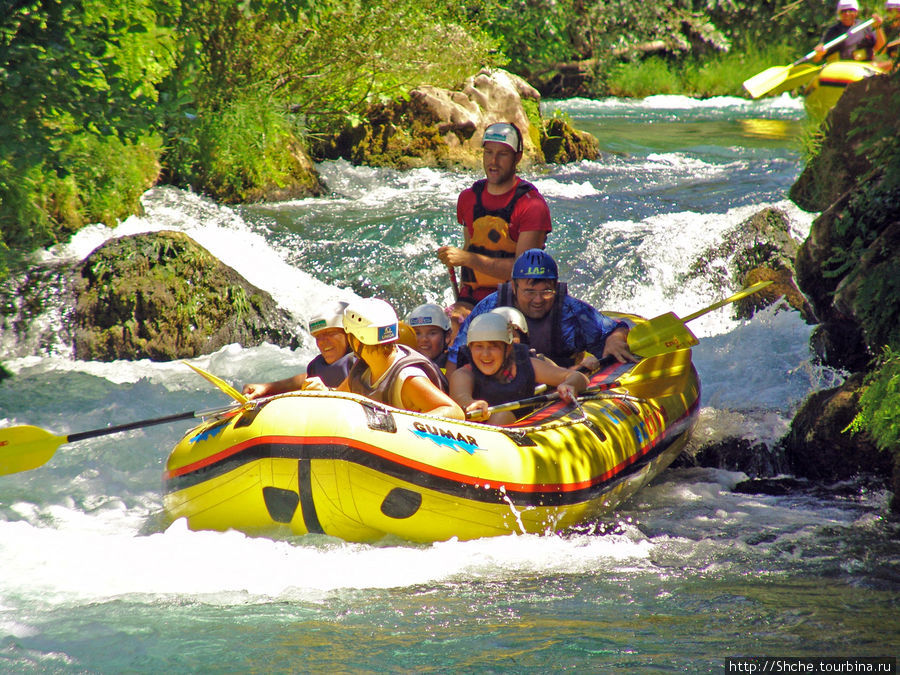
(445, 437)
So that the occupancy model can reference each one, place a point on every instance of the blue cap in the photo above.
(535, 263)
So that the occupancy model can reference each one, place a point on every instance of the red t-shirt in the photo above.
(530, 212)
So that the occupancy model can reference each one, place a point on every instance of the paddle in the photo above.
(453, 281)
(652, 377)
(667, 332)
(27, 447)
(220, 383)
(769, 79)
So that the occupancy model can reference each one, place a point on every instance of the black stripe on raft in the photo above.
(307, 505)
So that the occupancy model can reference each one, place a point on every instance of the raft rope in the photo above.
(524, 430)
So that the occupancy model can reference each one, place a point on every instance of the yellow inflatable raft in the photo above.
(339, 464)
(824, 90)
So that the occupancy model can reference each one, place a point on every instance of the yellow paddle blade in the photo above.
(766, 81)
(797, 77)
(657, 376)
(659, 335)
(220, 383)
(667, 332)
(25, 448)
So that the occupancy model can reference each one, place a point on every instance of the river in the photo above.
(688, 573)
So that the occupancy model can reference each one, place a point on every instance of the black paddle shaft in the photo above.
(80, 436)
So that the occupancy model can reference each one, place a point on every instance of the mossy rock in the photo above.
(399, 135)
(162, 296)
(761, 248)
(782, 286)
(842, 163)
(820, 447)
(562, 143)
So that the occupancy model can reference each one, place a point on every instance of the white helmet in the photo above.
(489, 327)
(513, 316)
(429, 314)
(371, 321)
(847, 4)
(892, 4)
(330, 316)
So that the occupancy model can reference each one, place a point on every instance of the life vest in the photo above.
(544, 335)
(490, 234)
(494, 391)
(381, 392)
(332, 374)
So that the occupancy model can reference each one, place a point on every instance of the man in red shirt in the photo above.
(502, 217)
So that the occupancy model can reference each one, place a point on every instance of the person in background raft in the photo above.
(860, 46)
(502, 216)
(559, 326)
(892, 24)
(331, 365)
(388, 372)
(502, 371)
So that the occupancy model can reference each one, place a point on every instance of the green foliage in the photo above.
(879, 405)
(533, 34)
(752, 22)
(874, 134)
(78, 90)
(325, 65)
(229, 152)
(643, 78)
(811, 139)
(706, 75)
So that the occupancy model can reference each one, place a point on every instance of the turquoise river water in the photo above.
(684, 576)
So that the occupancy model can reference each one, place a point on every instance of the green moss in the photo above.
(879, 414)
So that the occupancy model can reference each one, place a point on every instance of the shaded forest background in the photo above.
(103, 99)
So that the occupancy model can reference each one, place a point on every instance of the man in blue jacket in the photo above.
(559, 326)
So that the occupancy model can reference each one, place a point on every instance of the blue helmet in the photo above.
(535, 263)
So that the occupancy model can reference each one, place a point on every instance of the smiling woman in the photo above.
(502, 370)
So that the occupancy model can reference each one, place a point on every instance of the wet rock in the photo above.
(819, 446)
(849, 265)
(845, 155)
(443, 128)
(756, 459)
(775, 487)
(162, 296)
(33, 305)
(759, 249)
(782, 288)
(895, 484)
(840, 344)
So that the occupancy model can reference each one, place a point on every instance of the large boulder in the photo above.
(162, 296)
(443, 127)
(846, 153)
(849, 265)
(760, 248)
(820, 447)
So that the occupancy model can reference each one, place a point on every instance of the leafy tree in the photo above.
(77, 81)
(323, 62)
